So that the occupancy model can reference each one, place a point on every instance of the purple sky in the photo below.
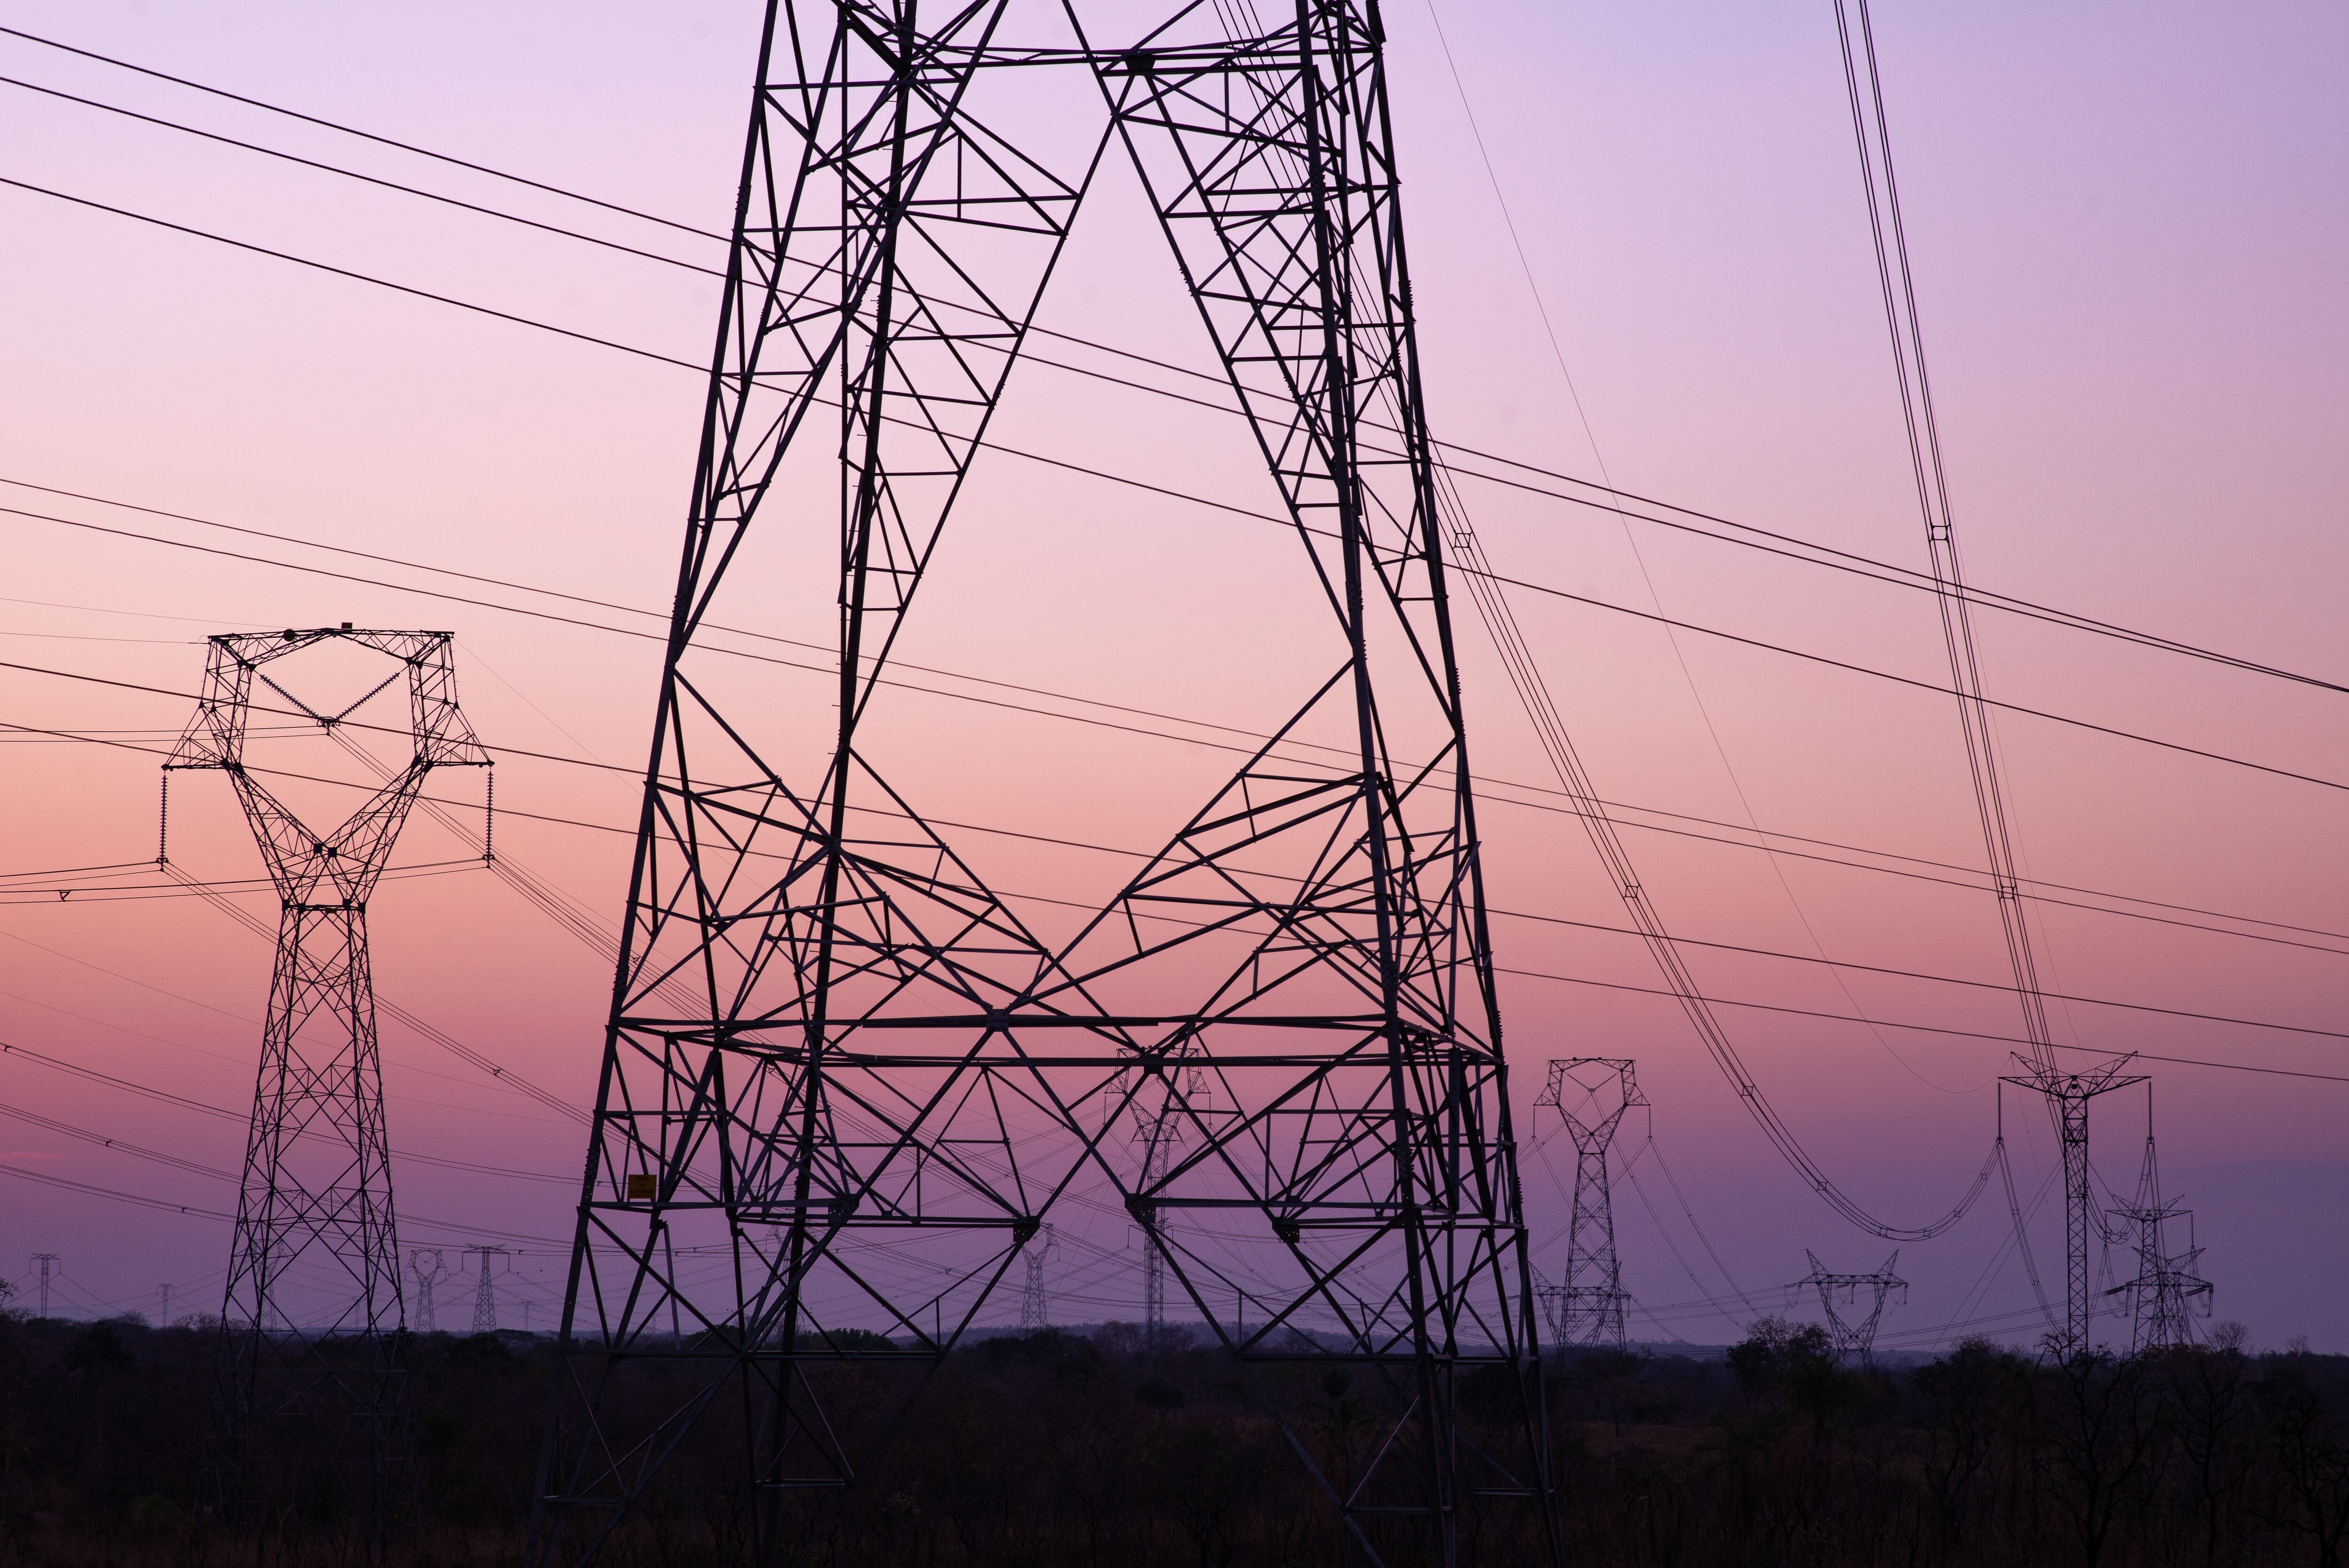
(2127, 225)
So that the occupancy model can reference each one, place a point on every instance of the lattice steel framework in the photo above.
(2068, 1095)
(2162, 1297)
(833, 1048)
(1590, 1094)
(428, 1316)
(316, 1191)
(1855, 1338)
(1035, 1300)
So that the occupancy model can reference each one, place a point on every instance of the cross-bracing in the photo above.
(2163, 1296)
(1590, 1094)
(329, 1387)
(1854, 1339)
(830, 1036)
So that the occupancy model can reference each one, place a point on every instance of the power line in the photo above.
(1484, 573)
(965, 697)
(1106, 849)
(355, 174)
(347, 130)
(1789, 546)
(1589, 814)
(202, 1108)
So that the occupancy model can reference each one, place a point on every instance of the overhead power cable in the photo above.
(120, 1146)
(1477, 573)
(1139, 854)
(1650, 927)
(348, 130)
(46, 1180)
(438, 1036)
(1473, 570)
(1250, 735)
(1898, 286)
(1487, 593)
(1614, 501)
(202, 1108)
(355, 174)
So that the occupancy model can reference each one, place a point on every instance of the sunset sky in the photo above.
(2128, 228)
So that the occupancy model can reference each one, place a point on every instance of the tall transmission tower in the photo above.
(1035, 1303)
(1590, 1094)
(316, 1192)
(2069, 1094)
(878, 1053)
(1853, 1338)
(45, 1262)
(485, 1294)
(427, 1316)
(2162, 1297)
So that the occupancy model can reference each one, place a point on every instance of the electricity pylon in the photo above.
(46, 1261)
(1035, 1306)
(2162, 1296)
(832, 1044)
(1854, 1339)
(1590, 1094)
(428, 1316)
(485, 1294)
(316, 1197)
(2067, 1095)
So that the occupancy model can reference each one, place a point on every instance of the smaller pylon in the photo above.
(164, 1321)
(1855, 1338)
(428, 1320)
(1160, 1133)
(45, 1261)
(1590, 1094)
(1035, 1315)
(2162, 1296)
(485, 1295)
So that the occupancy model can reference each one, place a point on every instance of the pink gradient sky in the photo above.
(2128, 227)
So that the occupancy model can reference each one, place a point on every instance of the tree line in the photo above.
(1087, 1451)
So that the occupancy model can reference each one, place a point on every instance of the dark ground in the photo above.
(1060, 1450)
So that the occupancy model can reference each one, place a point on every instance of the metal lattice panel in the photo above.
(837, 1060)
(316, 1197)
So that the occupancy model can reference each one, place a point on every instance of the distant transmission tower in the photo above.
(830, 1039)
(1035, 1307)
(316, 1201)
(2162, 1296)
(427, 1317)
(1159, 1129)
(45, 1261)
(1854, 1339)
(165, 1320)
(2068, 1094)
(485, 1294)
(1590, 1094)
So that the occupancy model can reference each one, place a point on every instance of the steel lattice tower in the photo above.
(1035, 1302)
(485, 1293)
(316, 1192)
(2161, 1297)
(428, 1316)
(828, 1034)
(1854, 1339)
(2068, 1095)
(1590, 1094)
